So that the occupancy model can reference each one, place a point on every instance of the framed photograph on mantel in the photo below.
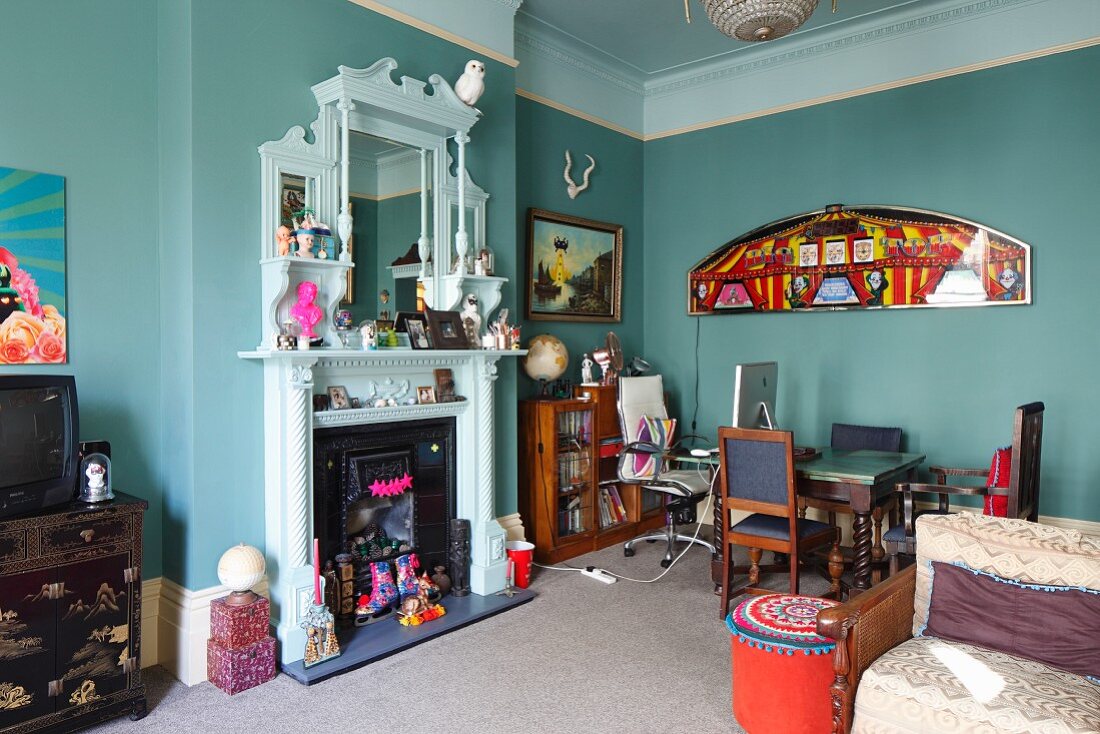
(574, 268)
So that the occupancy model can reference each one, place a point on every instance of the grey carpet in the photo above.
(582, 657)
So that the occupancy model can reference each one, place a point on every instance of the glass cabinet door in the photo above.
(575, 471)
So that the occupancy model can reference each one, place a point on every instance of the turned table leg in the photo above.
(861, 536)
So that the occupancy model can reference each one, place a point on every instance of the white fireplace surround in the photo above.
(290, 381)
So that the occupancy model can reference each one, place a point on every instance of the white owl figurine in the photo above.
(471, 84)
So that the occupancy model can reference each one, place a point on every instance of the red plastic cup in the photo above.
(522, 554)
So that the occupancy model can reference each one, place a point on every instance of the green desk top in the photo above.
(833, 465)
(860, 467)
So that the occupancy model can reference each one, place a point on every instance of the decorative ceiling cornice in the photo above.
(724, 67)
(588, 65)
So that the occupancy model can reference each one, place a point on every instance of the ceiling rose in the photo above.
(758, 20)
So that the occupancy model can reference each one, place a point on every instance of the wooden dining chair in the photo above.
(757, 476)
(1021, 492)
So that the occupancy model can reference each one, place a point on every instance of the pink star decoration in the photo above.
(391, 487)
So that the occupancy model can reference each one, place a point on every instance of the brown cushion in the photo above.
(1056, 625)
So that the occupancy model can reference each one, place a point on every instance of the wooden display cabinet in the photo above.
(70, 616)
(570, 498)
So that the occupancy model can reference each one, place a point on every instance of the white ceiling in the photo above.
(652, 36)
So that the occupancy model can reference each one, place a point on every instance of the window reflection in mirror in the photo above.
(384, 181)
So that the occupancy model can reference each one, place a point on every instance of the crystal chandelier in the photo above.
(757, 20)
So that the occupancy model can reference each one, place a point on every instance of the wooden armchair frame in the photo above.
(864, 628)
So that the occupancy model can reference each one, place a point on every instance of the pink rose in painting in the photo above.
(28, 291)
(23, 327)
(55, 322)
(50, 349)
(7, 258)
(13, 351)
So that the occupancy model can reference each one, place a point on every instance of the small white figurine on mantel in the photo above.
(471, 85)
(587, 364)
(471, 320)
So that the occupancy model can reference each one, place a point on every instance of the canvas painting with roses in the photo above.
(32, 268)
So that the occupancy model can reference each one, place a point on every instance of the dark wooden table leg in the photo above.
(861, 539)
(719, 545)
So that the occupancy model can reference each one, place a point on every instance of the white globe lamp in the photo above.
(239, 569)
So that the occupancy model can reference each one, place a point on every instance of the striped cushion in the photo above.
(658, 431)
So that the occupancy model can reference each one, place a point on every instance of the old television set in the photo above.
(754, 387)
(39, 444)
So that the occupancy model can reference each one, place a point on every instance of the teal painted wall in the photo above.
(249, 87)
(364, 230)
(77, 105)
(614, 195)
(1012, 147)
(398, 228)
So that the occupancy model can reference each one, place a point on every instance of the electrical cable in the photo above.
(695, 413)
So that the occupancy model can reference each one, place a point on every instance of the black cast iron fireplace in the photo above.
(398, 477)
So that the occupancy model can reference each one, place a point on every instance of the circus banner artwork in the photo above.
(574, 268)
(33, 310)
(862, 257)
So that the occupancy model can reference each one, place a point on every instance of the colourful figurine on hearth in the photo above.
(305, 311)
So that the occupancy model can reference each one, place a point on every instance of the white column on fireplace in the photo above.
(290, 381)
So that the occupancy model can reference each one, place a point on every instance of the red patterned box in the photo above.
(239, 626)
(237, 669)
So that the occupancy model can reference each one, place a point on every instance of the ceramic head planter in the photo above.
(305, 311)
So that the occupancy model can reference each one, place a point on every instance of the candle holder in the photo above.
(321, 642)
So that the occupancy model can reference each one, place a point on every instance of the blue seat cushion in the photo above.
(896, 534)
(777, 528)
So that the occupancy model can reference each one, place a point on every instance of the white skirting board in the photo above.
(175, 622)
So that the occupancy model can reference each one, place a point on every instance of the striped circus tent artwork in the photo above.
(33, 309)
(862, 257)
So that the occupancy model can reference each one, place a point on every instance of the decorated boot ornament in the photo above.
(383, 594)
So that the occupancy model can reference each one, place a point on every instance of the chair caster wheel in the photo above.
(628, 552)
(665, 563)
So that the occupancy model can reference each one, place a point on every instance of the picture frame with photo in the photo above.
(835, 252)
(425, 395)
(447, 330)
(338, 397)
(445, 385)
(418, 333)
(320, 403)
(863, 250)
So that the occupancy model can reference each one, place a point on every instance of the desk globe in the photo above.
(546, 359)
(239, 569)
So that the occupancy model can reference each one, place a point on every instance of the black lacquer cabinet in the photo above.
(70, 616)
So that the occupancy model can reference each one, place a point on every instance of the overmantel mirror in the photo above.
(366, 120)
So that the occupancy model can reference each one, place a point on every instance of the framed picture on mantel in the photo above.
(574, 268)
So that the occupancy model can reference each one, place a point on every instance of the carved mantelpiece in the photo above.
(290, 380)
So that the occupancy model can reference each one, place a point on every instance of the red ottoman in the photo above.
(782, 668)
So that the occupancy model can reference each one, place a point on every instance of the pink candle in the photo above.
(316, 571)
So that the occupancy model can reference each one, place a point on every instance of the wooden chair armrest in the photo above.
(956, 472)
(864, 628)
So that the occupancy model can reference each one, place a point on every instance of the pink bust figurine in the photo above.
(305, 311)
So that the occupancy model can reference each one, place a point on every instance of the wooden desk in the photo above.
(860, 479)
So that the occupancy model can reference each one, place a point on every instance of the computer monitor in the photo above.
(754, 395)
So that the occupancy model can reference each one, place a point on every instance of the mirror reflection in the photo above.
(384, 182)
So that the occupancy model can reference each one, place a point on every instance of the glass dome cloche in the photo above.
(95, 479)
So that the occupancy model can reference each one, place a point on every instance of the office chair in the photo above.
(757, 476)
(1021, 490)
(642, 462)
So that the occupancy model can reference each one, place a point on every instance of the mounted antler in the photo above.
(572, 189)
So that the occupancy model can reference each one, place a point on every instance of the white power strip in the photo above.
(599, 574)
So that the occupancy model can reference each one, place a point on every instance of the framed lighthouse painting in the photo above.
(574, 268)
(33, 308)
